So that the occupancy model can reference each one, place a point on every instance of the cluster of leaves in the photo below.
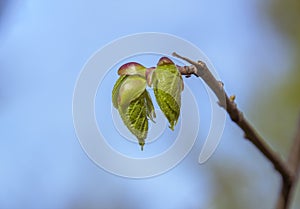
(134, 102)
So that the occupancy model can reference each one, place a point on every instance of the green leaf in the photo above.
(132, 100)
(168, 85)
(130, 89)
(115, 91)
(135, 116)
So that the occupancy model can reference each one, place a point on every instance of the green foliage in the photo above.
(135, 117)
(168, 85)
(133, 101)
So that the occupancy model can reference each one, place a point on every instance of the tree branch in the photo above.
(287, 188)
(287, 173)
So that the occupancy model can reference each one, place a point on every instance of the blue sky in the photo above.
(44, 45)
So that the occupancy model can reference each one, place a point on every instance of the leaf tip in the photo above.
(142, 145)
(172, 125)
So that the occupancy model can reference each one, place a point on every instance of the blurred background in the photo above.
(254, 45)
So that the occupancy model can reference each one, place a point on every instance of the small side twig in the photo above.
(287, 173)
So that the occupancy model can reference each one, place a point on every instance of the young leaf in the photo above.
(115, 91)
(132, 100)
(130, 89)
(168, 85)
(135, 117)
